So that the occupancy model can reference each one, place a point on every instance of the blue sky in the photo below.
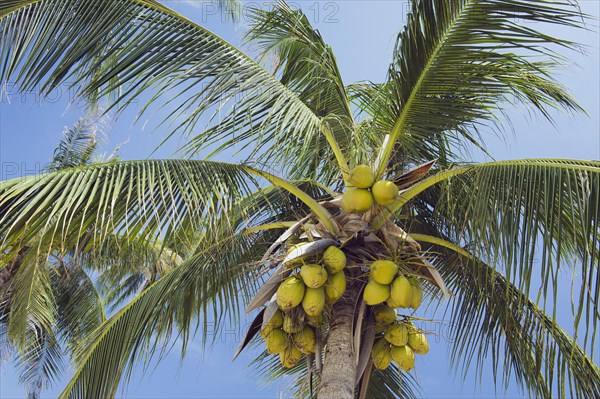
(362, 34)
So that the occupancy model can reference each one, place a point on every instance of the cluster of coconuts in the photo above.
(363, 191)
(399, 340)
(387, 285)
(301, 299)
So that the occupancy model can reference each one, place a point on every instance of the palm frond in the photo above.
(307, 66)
(490, 317)
(40, 362)
(127, 49)
(532, 218)
(138, 200)
(456, 62)
(392, 383)
(214, 278)
(78, 144)
(32, 302)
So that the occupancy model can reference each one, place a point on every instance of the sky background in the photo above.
(362, 34)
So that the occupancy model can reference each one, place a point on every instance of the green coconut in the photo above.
(313, 301)
(290, 293)
(335, 286)
(305, 340)
(315, 321)
(381, 354)
(401, 293)
(383, 271)
(334, 259)
(361, 176)
(358, 200)
(375, 293)
(397, 334)
(384, 315)
(404, 357)
(291, 325)
(418, 342)
(275, 322)
(313, 276)
(417, 293)
(276, 341)
(384, 192)
(290, 356)
(297, 261)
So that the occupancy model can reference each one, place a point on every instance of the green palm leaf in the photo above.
(457, 61)
(131, 200)
(127, 48)
(307, 66)
(213, 278)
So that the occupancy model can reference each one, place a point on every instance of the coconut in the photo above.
(290, 356)
(397, 334)
(334, 259)
(417, 293)
(305, 340)
(358, 200)
(400, 293)
(384, 192)
(297, 261)
(335, 286)
(313, 276)
(379, 328)
(361, 177)
(291, 325)
(376, 293)
(315, 321)
(418, 342)
(384, 315)
(383, 271)
(276, 341)
(404, 357)
(290, 293)
(381, 354)
(313, 301)
(275, 322)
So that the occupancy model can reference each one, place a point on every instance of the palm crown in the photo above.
(209, 234)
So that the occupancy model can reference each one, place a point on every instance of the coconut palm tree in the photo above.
(493, 237)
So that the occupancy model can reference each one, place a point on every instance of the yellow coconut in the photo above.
(418, 342)
(290, 293)
(361, 177)
(334, 259)
(276, 341)
(275, 322)
(417, 293)
(297, 261)
(313, 276)
(335, 286)
(381, 354)
(315, 321)
(305, 340)
(291, 325)
(401, 293)
(313, 301)
(404, 357)
(383, 271)
(358, 200)
(379, 328)
(397, 334)
(290, 356)
(376, 293)
(384, 315)
(384, 192)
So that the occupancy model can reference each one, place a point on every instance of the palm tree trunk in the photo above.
(339, 366)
